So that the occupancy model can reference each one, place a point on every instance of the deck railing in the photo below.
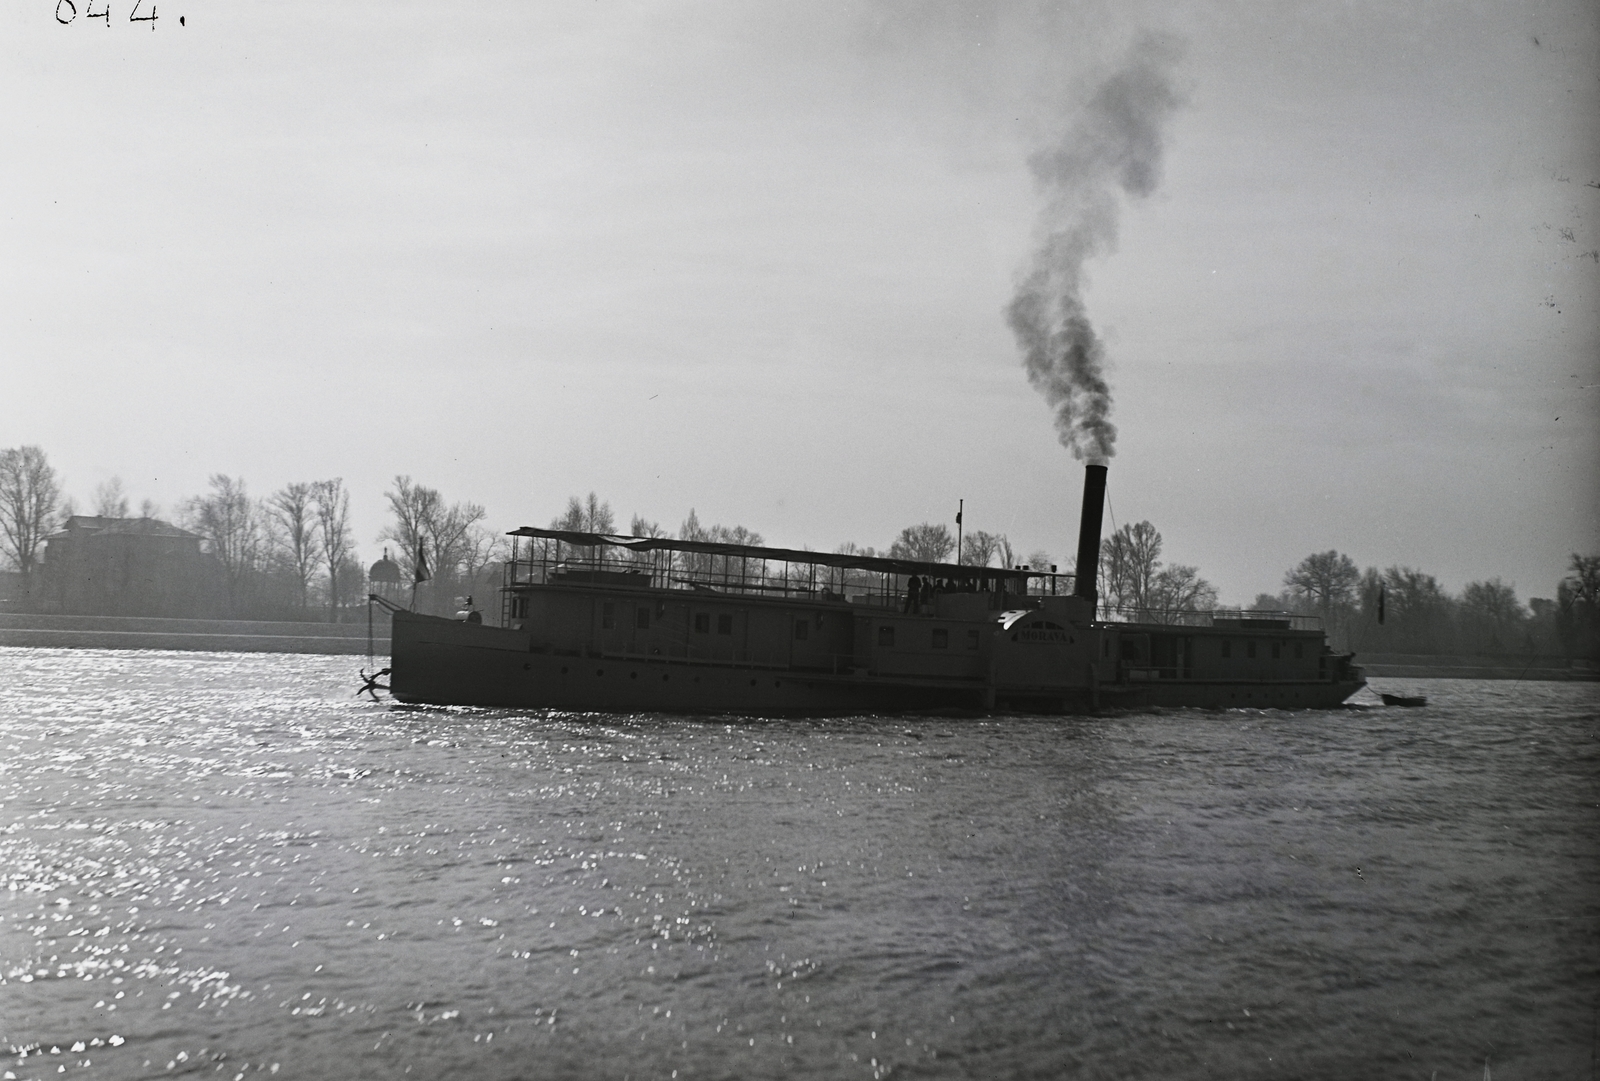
(1243, 620)
(541, 561)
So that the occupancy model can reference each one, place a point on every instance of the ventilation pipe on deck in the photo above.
(1094, 498)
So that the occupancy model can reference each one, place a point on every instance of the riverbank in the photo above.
(261, 636)
(1475, 666)
(220, 635)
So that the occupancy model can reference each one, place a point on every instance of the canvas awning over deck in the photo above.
(878, 564)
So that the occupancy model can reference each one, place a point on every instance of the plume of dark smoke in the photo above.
(1115, 142)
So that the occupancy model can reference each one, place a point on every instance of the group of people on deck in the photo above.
(920, 590)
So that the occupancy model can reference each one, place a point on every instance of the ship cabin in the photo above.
(1223, 644)
(584, 594)
(1008, 637)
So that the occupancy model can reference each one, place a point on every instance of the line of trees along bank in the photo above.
(289, 555)
(292, 550)
(1405, 610)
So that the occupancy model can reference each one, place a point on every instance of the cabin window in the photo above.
(1227, 648)
(1250, 648)
(1299, 650)
(802, 630)
(519, 607)
(608, 615)
(1276, 648)
(641, 619)
(972, 639)
(886, 635)
(941, 638)
(725, 624)
(702, 623)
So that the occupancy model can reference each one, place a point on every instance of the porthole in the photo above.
(633, 675)
(599, 671)
(563, 671)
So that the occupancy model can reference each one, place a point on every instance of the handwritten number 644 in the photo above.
(67, 10)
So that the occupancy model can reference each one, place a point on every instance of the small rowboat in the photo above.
(1404, 700)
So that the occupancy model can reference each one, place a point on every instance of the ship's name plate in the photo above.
(1042, 636)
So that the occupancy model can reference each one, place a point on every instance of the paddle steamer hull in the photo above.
(654, 624)
(1062, 669)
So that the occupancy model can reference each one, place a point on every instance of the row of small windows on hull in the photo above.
(601, 672)
(802, 627)
(641, 620)
(940, 638)
(1250, 649)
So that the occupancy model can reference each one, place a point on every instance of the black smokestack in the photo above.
(1094, 500)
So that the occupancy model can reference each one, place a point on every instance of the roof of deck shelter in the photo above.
(879, 564)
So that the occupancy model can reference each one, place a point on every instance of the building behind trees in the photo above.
(99, 565)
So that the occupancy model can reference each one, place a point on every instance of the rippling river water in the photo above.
(225, 865)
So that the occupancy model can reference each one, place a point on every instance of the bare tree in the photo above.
(1039, 559)
(928, 542)
(413, 506)
(1327, 579)
(1413, 595)
(979, 548)
(1129, 562)
(599, 516)
(230, 522)
(691, 529)
(1008, 554)
(332, 507)
(448, 532)
(422, 523)
(643, 527)
(692, 563)
(1491, 615)
(29, 495)
(587, 516)
(1577, 608)
(292, 511)
(479, 548)
(1179, 588)
(149, 508)
(591, 515)
(1584, 580)
(709, 564)
(110, 501)
(849, 576)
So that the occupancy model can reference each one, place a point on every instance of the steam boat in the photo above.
(621, 623)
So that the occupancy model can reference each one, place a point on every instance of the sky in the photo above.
(754, 259)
